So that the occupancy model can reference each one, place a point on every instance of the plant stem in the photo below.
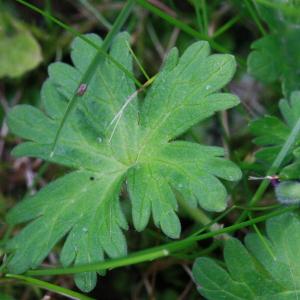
(138, 62)
(198, 15)
(204, 14)
(286, 148)
(226, 26)
(88, 6)
(199, 216)
(185, 28)
(48, 10)
(255, 17)
(49, 286)
(263, 241)
(213, 223)
(156, 252)
(196, 214)
(121, 19)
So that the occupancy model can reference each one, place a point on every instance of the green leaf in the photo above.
(252, 272)
(271, 133)
(19, 51)
(110, 138)
(281, 13)
(263, 61)
(275, 56)
(288, 192)
(291, 171)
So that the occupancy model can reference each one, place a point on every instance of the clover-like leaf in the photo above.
(266, 269)
(109, 139)
(272, 133)
(19, 51)
(275, 56)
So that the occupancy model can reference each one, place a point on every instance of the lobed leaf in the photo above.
(110, 138)
(271, 132)
(275, 56)
(256, 271)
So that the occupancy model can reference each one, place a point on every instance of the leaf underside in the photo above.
(108, 140)
(258, 272)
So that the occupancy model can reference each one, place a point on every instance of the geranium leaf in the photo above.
(271, 133)
(110, 138)
(258, 271)
(275, 56)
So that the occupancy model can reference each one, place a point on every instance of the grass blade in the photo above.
(179, 24)
(205, 18)
(226, 26)
(49, 286)
(88, 6)
(198, 15)
(187, 29)
(255, 17)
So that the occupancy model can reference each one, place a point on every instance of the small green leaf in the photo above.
(290, 172)
(19, 51)
(276, 56)
(213, 282)
(110, 138)
(252, 273)
(279, 14)
(263, 61)
(288, 192)
(271, 132)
